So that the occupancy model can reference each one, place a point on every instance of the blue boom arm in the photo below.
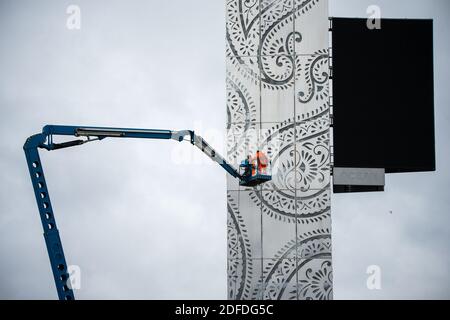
(44, 140)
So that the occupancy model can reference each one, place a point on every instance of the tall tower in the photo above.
(279, 234)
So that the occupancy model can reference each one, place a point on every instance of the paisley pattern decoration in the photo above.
(316, 78)
(291, 276)
(240, 106)
(316, 280)
(279, 234)
(241, 119)
(240, 266)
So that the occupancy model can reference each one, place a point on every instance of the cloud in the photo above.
(140, 226)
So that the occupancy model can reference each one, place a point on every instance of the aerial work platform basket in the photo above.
(255, 170)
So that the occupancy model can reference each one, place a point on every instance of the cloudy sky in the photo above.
(140, 225)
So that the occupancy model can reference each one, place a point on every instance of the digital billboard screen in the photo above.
(383, 94)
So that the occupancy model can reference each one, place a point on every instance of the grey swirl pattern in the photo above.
(279, 234)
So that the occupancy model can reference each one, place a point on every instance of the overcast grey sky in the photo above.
(140, 226)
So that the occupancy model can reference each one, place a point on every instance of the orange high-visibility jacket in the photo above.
(259, 163)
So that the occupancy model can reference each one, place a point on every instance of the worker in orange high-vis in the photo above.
(259, 163)
(263, 162)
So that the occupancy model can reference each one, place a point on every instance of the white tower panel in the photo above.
(279, 234)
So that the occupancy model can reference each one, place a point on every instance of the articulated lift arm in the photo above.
(44, 140)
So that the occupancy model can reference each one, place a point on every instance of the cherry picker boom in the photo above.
(250, 176)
